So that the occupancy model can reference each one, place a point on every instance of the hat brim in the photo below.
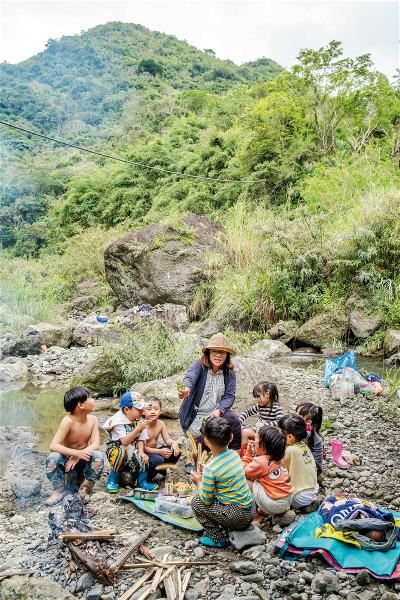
(230, 351)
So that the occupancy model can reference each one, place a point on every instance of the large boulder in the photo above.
(285, 331)
(28, 344)
(323, 330)
(266, 349)
(161, 263)
(205, 329)
(164, 390)
(21, 587)
(53, 335)
(391, 343)
(361, 322)
(91, 331)
(7, 342)
(101, 375)
(13, 369)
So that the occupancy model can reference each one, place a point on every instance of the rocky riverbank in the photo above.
(364, 429)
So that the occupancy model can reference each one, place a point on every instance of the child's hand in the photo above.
(142, 425)
(196, 478)
(183, 393)
(175, 448)
(71, 463)
(143, 458)
(165, 452)
(83, 454)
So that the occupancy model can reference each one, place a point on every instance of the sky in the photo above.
(239, 30)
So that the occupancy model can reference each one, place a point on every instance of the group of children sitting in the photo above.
(277, 467)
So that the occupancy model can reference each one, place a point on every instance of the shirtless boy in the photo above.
(148, 451)
(75, 446)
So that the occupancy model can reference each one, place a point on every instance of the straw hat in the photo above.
(219, 342)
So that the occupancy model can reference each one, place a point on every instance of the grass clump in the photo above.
(152, 351)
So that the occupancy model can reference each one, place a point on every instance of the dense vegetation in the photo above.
(315, 219)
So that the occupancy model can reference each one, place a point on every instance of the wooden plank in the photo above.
(185, 583)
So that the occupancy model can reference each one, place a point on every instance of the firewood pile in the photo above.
(157, 572)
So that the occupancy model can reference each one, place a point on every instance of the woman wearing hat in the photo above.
(210, 388)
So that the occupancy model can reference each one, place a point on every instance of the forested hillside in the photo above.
(306, 163)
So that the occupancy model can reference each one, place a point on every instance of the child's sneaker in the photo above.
(207, 541)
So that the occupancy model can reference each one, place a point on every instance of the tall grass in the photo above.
(33, 290)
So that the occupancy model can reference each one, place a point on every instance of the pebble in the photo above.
(363, 578)
(243, 566)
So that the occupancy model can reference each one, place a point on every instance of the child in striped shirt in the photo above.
(267, 409)
(224, 501)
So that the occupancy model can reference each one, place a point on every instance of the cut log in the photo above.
(99, 567)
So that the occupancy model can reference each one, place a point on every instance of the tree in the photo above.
(334, 83)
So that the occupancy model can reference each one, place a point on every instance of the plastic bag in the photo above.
(336, 365)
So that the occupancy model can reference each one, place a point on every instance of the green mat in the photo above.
(148, 506)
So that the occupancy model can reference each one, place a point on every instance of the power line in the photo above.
(132, 162)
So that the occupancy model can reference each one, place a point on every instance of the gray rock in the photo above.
(95, 592)
(32, 588)
(174, 315)
(325, 581)
(284, 519)
(391, 343)
(85, 582)
(205, 329)
(362, 324)
(29, 344)
(394, 359)
(13, 369)
(53, 335)
(161, 263)
(363, 578)
(191, 594)
(202, 586)
(139, 593)
(266, 349)
(285, 331)
(252, 536)
(23, 487)
(90, 331)
(323, 329)
(243, 566)
(100, 375)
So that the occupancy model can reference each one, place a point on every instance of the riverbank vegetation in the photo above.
(314, 219)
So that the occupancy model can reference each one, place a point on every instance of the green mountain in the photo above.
(82, 82)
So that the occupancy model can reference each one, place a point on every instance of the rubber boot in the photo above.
(143, 483)
(112, 482)
(337, 457)
(56, 497)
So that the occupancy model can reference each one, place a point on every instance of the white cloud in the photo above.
(239, 30)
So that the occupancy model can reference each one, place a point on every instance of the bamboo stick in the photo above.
(169, 585)
(176, 563)
(185, 583)
(126, 595)
(125, 555)
(159, 572)
(100, 534)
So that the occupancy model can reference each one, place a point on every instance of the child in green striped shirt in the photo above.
(224, 501)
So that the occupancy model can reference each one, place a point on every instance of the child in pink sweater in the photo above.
(266, 474)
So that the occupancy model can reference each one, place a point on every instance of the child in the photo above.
(312, 415)
(266, 474)
(123, 429)
(299, 461)
(75, 446)
(149, 453)
(268, 410)
(224, 501)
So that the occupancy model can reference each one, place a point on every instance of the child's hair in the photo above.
(315, 413)
(75, 395)
(153, 400)
(218, 431)
(294, 424)
(272, 441)
(263, 387)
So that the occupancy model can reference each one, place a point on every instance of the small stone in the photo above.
(252, 536)
(202, 586)
(254, 577)
(243, 566)
(324, 582)
(191, 594)
(253, 553)
(199, 552)
(284, 519)
(24, 487)
(85, 582)
(95, 592)
(216, 573)
(17, 520)
(363, 578)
